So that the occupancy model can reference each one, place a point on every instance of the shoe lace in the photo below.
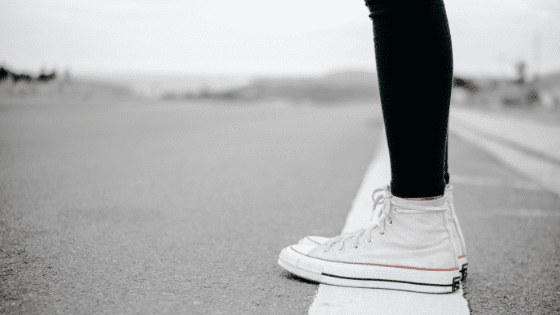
(383, 217)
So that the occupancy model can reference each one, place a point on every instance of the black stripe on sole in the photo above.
(386, 280)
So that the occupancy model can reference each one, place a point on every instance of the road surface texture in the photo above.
(183, 209)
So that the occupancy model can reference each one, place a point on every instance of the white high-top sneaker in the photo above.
(411, 249)
(457, 234)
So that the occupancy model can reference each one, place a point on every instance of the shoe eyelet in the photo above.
(391, 222)
(355, 247)
(324, 251)
(369, 241)
(382, 233)
(394, 210)
(341, 250)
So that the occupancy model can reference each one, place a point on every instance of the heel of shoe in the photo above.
(456, 284)
(464, 272)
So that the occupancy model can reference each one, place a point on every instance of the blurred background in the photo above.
(299, 52)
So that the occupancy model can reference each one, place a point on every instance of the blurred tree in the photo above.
(468, 85)
(44, 77)
(21, 77)
(4, 74)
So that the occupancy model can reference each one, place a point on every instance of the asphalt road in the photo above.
(163, 208)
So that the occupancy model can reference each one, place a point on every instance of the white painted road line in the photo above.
(493, 182)
(538, 137)
(544, 172)
(345, 300)
(520, 213)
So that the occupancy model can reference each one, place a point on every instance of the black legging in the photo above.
(415, 68)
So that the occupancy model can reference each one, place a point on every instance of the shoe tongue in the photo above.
(423, 203)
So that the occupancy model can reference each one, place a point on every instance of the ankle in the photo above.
(425, 198)
(418, 191)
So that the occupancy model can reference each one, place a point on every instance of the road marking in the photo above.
(538, 137)
(344, 300)
(545, 172)
(493, 182)
(523, 213)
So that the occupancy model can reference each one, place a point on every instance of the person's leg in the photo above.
(415, 68)
(410, 235)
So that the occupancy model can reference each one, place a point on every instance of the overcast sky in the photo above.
(257, 36)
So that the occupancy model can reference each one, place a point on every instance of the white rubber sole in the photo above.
(462, 260)
(369, 276)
